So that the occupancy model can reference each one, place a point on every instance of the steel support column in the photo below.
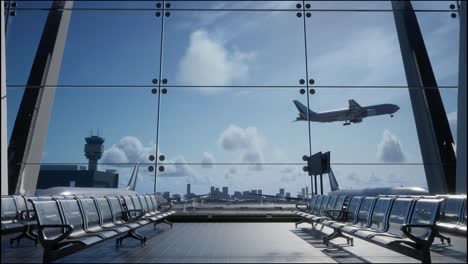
(3, 118)
(30, 130)
(435, 138)
(461, 112)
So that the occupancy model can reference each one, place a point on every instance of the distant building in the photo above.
(288, 195)
(253, 191)
(188, 189)
(237, 195)
(93, 151)
(212, 190)
(225, 191)
(259, 191)
(176, 197)
(77, 175)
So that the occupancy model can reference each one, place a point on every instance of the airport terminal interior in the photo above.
(233, 131)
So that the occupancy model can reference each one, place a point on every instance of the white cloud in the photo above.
(253, 156)
(128, 150)
(208, 62)
(365, 50)
(237, 138)
(207, 160)
(248, 140)
(389, 149)
(178, 167)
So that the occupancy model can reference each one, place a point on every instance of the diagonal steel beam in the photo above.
(435, 138)
(30, 129)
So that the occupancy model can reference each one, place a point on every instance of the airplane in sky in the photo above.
(354, 114)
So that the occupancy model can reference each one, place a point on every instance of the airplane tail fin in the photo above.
(303, 109)
(333, 182)
(133, 179)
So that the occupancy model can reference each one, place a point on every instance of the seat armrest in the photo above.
(48, 243)
(406, 229)
(166, 209)
(299, 205)
(130, 218)
(341, 215)
(26, 215)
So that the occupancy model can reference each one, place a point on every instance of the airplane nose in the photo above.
(396, 108)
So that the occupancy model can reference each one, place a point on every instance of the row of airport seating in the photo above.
(404, 224)
(65, 225)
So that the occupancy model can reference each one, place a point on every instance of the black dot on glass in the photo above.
(452, 6)
(161, 168)
(311, 81)
(155, 81)
(305, 158)
(305, 169)
(164, 81)
(312, 91)
(14, 4)
(308, 15)
(453, 15)
(301, 81)
(162, 158)
(302, 91)
(307, 5)
(12, 13)
(158, 14)
(151, 157)
(154, 91)
(298, 5)
(158, 5)
(168, 14)
(298, 14)
(168, 5)
(150, 168)
(164, 91)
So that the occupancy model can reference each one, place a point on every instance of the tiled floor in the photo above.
(235, 242)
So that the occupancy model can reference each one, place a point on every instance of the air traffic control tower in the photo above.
(93, 151)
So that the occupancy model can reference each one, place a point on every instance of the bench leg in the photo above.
(131, 234)
(300, 222)
(165, 221)
(426, 255)
(442, 238)
(337, 233)
(26, 235)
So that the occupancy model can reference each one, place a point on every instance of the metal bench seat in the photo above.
(106, 217)
(66, 225)
(16, 218)
(452, 215)
(10, 216)
(405, 225)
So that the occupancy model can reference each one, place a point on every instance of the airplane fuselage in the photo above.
(349, 115)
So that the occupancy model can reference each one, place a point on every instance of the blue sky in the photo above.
(251, 125)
